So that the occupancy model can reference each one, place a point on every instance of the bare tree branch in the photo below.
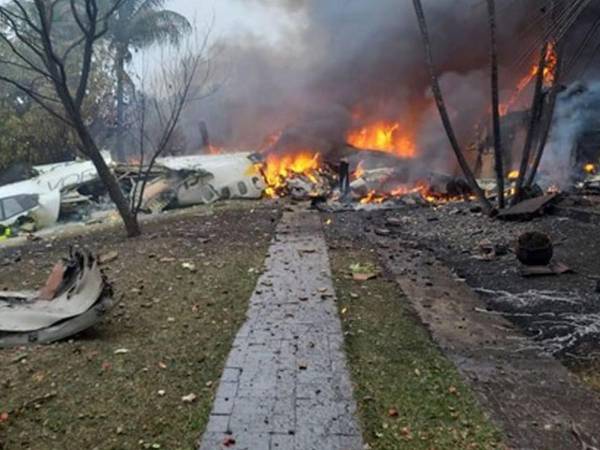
(36, 97)
(36, 35)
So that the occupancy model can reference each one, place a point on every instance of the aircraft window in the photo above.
(242, 187)
(28, 202)
(11, 207)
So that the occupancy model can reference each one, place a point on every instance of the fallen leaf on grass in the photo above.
(362, 277)
(406, 432)
(191, 398)
(121, 351)
(363, 272)
(108, 257)
(3, 417)
(189, 266)
(20, 357)
(392, 412)
(167, 260)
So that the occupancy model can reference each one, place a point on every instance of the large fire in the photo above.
(549, 77)
(383, 136)
(277, 169)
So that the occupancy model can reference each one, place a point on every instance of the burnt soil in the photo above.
(559, 313)
(119, 385)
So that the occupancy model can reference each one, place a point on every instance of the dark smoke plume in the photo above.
(354, 60)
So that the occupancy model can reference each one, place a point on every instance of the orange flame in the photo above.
(549, 78)
(373, 197)
(360, 170)
(212, 150)
(421, 188)
(271, 140)
(383, 136)
(590, 168)
(278, 169)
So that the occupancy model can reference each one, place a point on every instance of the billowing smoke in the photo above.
(576, 114)
(355, 61)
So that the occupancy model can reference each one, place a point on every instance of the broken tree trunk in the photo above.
(533, 125)
(439, 100)
(498, 153)
(547, 118)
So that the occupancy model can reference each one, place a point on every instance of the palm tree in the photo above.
(439, 100)
(139, 24)
(498, 153)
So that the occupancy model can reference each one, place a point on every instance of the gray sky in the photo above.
(231, 18)
(235, 16)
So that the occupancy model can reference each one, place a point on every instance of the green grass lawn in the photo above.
(409, 396)
(120, 385)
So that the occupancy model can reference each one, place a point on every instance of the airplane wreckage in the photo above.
(75, 297)
(70, 191)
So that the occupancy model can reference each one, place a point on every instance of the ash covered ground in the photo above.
(560, 313)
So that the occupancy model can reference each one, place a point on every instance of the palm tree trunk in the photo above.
(498, 153)
(120, 73)
(533, 126)
(439, 99)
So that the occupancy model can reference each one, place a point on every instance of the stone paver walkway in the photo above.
(286, 385)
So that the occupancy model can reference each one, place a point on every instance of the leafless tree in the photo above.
(37, 47)
(183, 78)
(439, 100)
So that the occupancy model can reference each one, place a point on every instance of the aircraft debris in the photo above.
(176, 182)
(75, 297)
(55, 190)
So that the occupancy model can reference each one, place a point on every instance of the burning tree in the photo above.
(558, 17)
